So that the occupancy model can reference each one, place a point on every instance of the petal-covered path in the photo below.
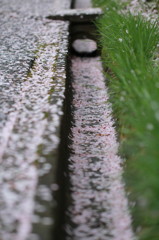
(32, 84)
(99, 207)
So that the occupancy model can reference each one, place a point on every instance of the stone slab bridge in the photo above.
(60, 175)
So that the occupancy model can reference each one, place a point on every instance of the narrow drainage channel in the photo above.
(93, 200)
(98, 206)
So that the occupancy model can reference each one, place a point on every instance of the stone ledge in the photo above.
(77, 15)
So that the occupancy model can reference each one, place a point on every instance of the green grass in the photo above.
(129, 45)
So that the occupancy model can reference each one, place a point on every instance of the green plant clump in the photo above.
(129, 44)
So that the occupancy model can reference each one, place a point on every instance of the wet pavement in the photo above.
(32, 85)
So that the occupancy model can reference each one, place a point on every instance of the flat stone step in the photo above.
(77, 15)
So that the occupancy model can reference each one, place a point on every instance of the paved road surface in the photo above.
(31, 97)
